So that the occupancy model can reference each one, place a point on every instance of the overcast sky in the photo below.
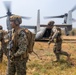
(47, 8)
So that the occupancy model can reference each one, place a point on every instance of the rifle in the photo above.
(37, 55)
(10, 44)
(9, 28)
(49, 42)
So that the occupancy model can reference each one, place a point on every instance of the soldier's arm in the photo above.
(54, 35)
(50, 39)
(22, 44)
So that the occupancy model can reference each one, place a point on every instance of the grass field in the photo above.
(46, 65)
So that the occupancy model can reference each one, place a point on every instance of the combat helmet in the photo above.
(17, 19)
(51, 23)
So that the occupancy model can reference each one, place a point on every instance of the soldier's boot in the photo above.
(57, 58)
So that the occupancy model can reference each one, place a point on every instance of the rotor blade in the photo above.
(74, 8)
(8, 7)
(26, 17)
(3, 16)
(61, 16)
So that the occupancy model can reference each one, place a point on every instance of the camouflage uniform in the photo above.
(2, 33)
(56, 36)
(19, 55)
(1, 53)
(18, 63)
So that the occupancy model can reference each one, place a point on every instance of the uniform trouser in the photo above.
(57, 50)
(1, 55)
(18, 67)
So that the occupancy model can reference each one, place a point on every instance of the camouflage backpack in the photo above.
(31, 39)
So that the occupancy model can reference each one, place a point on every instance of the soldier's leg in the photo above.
(21, 67)
(1, 55)
(57, 56)
(10, 69)
(56, 53)
(66, 54)
(58, 50)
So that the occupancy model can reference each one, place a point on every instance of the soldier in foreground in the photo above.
(18, 59)
(56, 37)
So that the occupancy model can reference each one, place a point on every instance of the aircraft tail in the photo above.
(69, 18)
(38, 21)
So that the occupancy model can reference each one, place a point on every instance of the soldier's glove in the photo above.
(48, 43)
(50, 38)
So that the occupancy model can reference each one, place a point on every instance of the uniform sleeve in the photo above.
(22, 44)
(55, 31)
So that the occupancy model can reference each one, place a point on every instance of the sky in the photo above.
(29, 8)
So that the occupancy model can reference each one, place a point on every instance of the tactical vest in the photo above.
(58, 38)
(30, 39)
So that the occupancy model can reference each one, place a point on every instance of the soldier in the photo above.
(1, 38)
(56, 37)
(18, 58)
(2, 43)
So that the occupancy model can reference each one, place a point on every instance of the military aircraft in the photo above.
(67, 19)
(41, 31)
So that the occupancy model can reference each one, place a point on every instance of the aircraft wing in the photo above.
(29, 27)
(59, 25)
(48, 17)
